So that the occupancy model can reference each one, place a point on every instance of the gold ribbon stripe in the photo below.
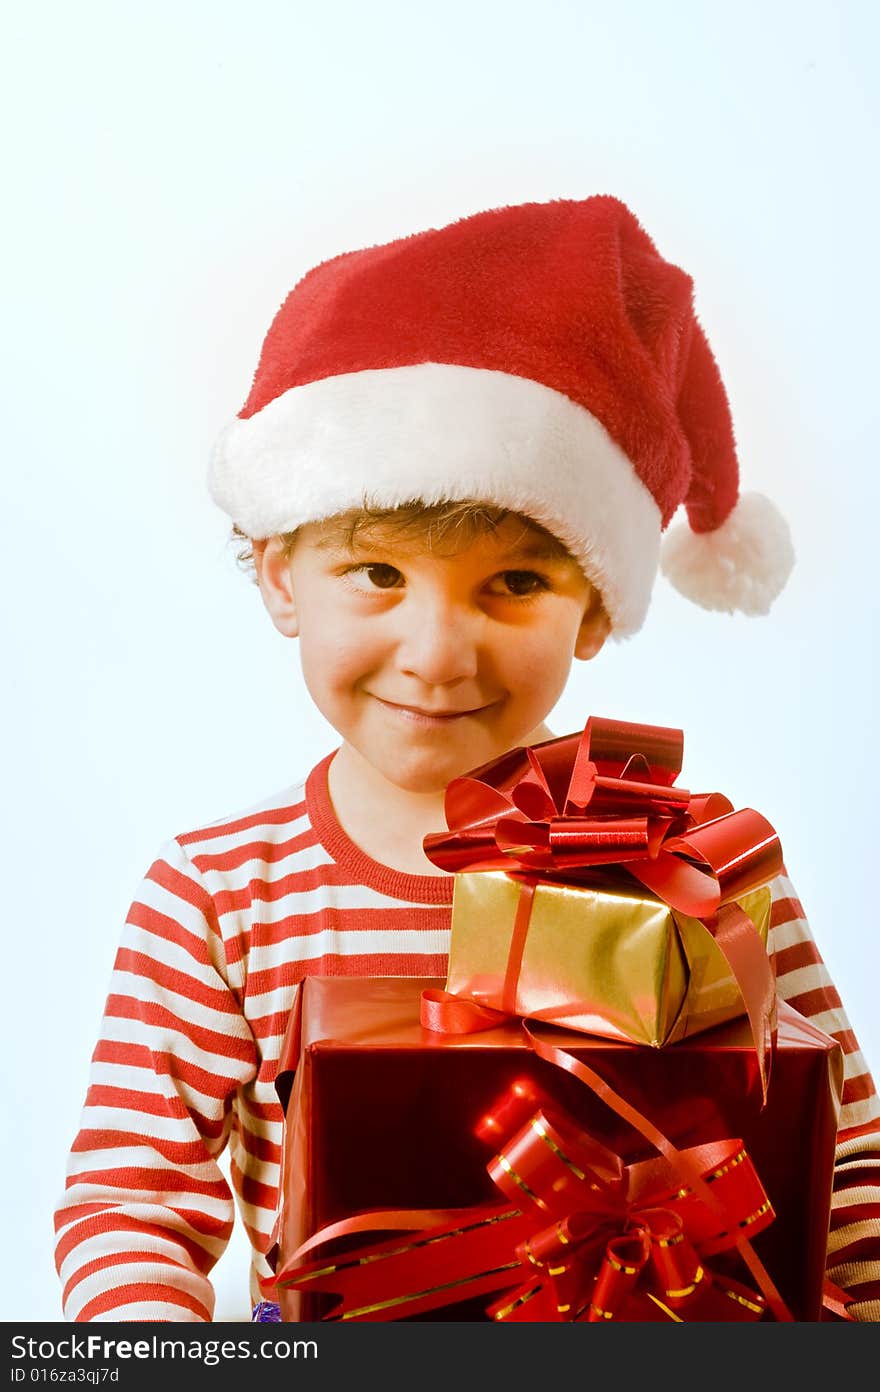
(430, 1290)
(407, 1247)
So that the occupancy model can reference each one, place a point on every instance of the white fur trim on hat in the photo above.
(440, 432)
(740, 566)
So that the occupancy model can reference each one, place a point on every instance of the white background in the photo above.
(170, 170)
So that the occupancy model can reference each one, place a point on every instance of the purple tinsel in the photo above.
(266, 1312)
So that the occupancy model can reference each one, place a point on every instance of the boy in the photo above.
(452, 475)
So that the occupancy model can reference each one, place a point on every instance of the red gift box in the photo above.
(382, 1113)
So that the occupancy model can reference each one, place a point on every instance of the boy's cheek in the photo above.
(543, 662)
(332, 648)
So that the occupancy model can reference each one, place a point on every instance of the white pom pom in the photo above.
(741, 566)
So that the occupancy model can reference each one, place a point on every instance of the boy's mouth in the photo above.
(428, 717)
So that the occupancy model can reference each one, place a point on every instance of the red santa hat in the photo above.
(543, 358)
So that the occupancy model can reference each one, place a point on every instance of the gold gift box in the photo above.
(618, 963)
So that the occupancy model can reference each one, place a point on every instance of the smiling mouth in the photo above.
(417, 713)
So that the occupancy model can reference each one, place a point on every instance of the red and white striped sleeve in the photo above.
(803, 980)
(147, 1211)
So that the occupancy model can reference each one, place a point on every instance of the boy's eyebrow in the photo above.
(537, 549)
(329, 543)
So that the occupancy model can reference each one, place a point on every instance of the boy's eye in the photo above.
(523, 583)
(376, 576)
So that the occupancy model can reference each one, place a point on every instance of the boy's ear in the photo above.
(595, 628)
(272, 564)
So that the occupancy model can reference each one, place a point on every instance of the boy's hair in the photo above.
(453, 524)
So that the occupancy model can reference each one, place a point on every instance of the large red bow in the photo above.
(602, 806)
(582, 1236)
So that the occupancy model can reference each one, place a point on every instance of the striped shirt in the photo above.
(225, 925)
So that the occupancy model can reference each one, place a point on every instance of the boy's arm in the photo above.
(147, 1211)
(803, 980)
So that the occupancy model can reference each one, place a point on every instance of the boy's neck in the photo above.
(386, 822)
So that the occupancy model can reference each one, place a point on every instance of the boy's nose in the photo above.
(440, 641)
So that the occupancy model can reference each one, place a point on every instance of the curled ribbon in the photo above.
(600, 807)
(581, 1237)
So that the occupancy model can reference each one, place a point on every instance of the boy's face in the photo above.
(430, 663)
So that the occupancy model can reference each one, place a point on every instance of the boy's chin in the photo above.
(431, 774)
(428, 771)
(434, 774)
(425, 781)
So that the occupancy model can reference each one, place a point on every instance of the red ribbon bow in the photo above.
(583, 1237)
(619, 1236)
(602, 806)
